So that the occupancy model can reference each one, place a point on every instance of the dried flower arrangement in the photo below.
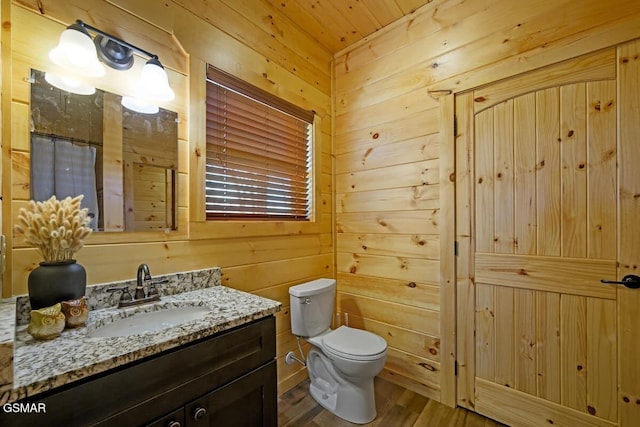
(56, 228)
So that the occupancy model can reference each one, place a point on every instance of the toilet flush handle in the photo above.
(307, 300)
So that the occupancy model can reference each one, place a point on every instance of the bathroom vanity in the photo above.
(219, 369)
(226, 379)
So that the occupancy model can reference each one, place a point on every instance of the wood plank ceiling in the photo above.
(337, 24)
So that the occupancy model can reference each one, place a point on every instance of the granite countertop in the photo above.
(43, 365)
(7, 334)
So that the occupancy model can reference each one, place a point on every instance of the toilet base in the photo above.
(354, 404)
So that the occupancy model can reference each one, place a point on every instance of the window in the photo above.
(258, 153)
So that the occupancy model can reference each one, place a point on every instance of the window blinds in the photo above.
(258, 153)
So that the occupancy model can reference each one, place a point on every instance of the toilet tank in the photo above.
(312, 307)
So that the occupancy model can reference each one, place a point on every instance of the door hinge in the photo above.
(455, 248)
(455, 368)
(455, 125)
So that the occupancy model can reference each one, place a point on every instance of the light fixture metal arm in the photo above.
(115, 39)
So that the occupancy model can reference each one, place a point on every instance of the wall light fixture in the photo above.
(80, 57)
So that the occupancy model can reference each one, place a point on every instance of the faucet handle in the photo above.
(125, 296)
(152, 287)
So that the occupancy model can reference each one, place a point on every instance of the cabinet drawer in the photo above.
(145, 390)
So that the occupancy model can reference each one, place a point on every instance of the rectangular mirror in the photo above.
(125, 163)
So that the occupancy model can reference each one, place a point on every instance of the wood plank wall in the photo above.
(263, 258)
(387, 137)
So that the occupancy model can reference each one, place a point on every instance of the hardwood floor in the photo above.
(396, 407)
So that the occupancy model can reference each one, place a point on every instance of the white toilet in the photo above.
(342, 362)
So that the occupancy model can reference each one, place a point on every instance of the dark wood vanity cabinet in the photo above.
(245, 402)
(227, 379)
(174, 419)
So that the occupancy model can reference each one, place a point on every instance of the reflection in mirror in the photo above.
(124, 162)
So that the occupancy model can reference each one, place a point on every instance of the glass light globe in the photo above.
(154, 83)
(76, 53)
(69, 84)
(139, 105)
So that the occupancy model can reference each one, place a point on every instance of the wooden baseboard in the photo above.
(419, 388)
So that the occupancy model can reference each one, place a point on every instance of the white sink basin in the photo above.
(149, 322)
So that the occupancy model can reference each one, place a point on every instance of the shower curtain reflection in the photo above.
(65, 168)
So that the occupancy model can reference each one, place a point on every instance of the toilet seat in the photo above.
(354, 344)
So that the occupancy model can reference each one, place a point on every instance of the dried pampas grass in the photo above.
(56, 228)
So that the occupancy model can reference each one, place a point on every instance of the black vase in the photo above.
(53, 282)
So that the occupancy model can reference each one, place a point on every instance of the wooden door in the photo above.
(544, 213)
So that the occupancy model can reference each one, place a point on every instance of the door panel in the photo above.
(547, 335)
(559, 264)
(601, 150)
(537, 190)
(524, 137)
(557, 347)
(548, 184)
(574, 125)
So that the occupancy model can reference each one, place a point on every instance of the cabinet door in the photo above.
(249, 401)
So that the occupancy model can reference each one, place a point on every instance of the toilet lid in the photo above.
(353, 343)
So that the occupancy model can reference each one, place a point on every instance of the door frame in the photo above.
(448, 251)
(464, 235)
